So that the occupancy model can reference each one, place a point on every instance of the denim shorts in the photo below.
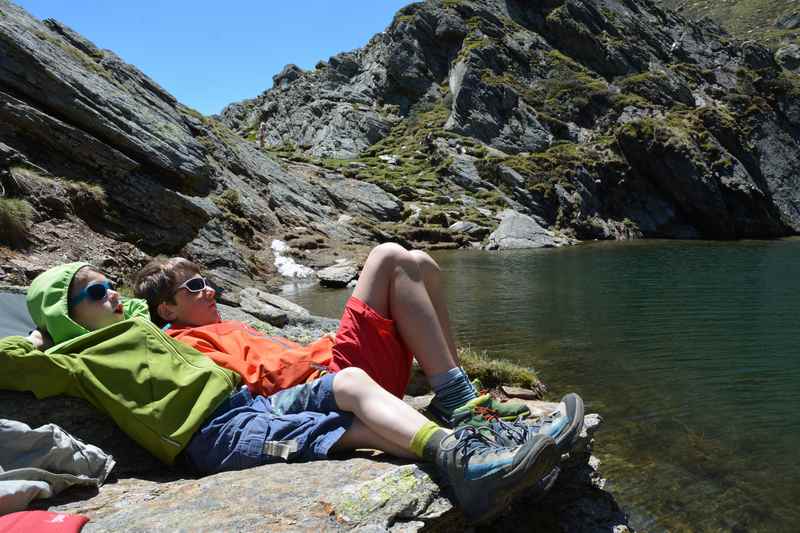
(297, 424)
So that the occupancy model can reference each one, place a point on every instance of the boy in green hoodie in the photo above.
(172, 399)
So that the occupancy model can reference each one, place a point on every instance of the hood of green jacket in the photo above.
(48, 298)
(47, 302)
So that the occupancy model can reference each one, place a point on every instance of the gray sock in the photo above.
(452, 389)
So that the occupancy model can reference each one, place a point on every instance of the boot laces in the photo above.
(516, 431)
(471, 441)
(487, 413)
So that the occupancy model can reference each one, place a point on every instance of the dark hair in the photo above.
(158, 281)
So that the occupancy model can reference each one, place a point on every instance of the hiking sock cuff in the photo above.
(455, 392)
(438, 381)
(472, 384)
(426, 441)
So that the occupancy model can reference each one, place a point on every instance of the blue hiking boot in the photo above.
(485, 477)
(563, 425)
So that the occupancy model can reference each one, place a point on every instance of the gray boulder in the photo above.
(521, 231)
(298, 328)
(338, 275)
(321, 496)
(788, 56)
(293, 311)
(510, 177)
(465, 173)
(360, 197)
(790, 21)
(472, 229)
(255, 302)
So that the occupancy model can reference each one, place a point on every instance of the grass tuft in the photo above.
(15, 221)
(496, 372)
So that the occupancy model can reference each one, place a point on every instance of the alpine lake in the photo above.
(688, 349)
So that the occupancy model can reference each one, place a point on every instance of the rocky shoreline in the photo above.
(364, 491)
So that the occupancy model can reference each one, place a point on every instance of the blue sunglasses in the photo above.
(96, 292)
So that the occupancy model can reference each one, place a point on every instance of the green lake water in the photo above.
(689, 350)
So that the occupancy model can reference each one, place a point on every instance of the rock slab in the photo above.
(337, 276)
(521, 231)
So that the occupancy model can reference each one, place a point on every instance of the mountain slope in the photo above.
(600, 119)
(97, 162)
(566, 119)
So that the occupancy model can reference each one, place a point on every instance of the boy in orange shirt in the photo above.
(290, 406)
(397, 309)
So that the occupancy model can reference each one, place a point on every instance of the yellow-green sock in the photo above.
(426, 441)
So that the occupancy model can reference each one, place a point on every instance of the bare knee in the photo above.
(393, 258)
(430, 268)
(388, 252)
(349, 385)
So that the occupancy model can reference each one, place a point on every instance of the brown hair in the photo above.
(158, 281)
(79, 277)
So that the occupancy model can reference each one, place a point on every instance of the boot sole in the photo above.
(541, 460)
(575, 411)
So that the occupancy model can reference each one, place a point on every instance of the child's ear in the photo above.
(166, 312)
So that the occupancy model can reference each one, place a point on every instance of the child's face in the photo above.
(93, 312)
(192, 307)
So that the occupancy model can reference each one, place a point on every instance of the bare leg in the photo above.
(361, 436)
(392, 283)
(386, 422)
(432, 276)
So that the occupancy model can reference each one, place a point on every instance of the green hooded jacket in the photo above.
(47, 304)
(157, 390)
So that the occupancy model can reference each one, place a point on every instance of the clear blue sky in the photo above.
(211, 53)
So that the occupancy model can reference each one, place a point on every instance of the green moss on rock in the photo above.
(233, 213)
(496, 372)
(15, 219)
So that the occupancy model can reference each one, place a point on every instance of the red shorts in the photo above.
(370, 341)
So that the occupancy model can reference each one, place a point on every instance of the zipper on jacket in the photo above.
(214, 367)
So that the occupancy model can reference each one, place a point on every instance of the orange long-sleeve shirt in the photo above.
(267, 364)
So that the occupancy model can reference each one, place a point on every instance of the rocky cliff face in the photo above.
(98, 162)
(596, 119)
(463, 124)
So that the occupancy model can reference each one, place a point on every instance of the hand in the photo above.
(331, 336)
(40, 340)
